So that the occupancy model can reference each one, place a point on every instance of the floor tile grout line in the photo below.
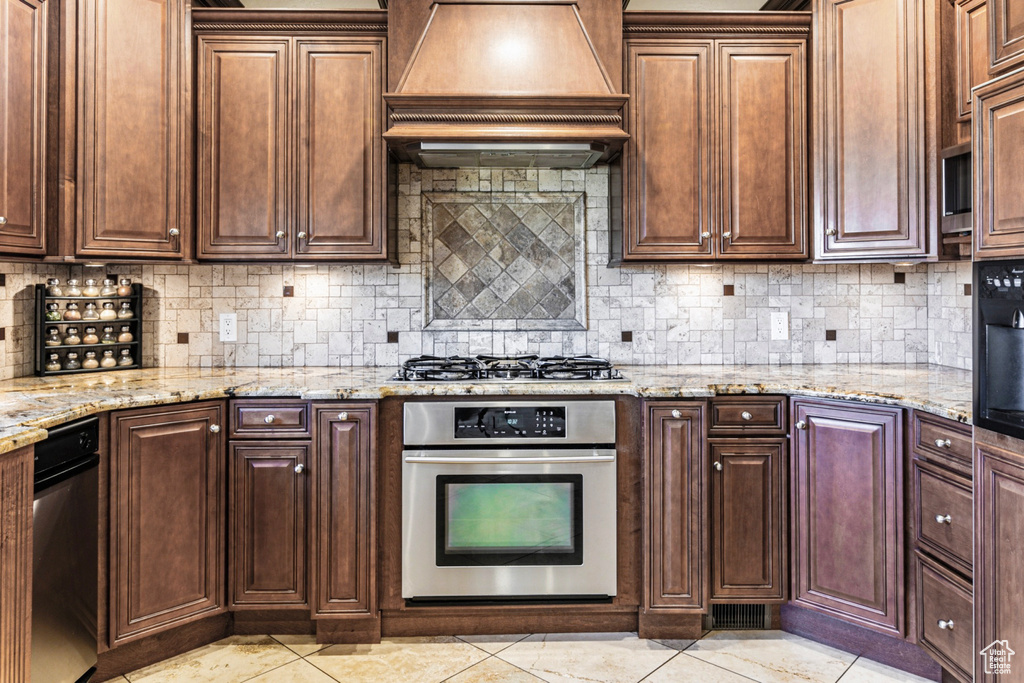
(651, 673)
(298, 658)
(460, 671)
(847, 669)
(719, 666)
(322, 646)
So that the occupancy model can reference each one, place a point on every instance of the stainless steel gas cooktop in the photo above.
(507, 368)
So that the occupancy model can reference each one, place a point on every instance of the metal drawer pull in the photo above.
(943, 519)
(300, 468)
(280, 234)
(342, 416)
(302, 235)
(174, 232)
(677, 414)
(718, 466)
(746, 416)
(831, 232)
(214, 428)
(269, 419)
(727, 235)
(801, 425)
(943, 443)
(705, 235)
(946, 625)
(3, 221)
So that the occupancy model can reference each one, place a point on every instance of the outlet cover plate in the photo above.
(780, 325)
(228, 327)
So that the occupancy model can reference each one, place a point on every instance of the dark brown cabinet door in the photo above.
(343, 511)
(1006, 35)
(998, 528)
(999, 168)
(167, 518)
(267, 518)
(847, 503)
(870, 151)
(16, 470)
(22, 125)
(675, 575)
(244, 119)
(971, 52)
(762, 149)
(341, 155)
(135, 128)
(667, 166)
(748, 520)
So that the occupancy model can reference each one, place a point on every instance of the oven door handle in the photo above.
(455, 460)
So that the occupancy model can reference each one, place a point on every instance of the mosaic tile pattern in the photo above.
(515, 260)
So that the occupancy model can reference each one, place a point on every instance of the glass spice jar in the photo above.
(71, 337)
(126, 335)
(126, 310)
(90, 336)
(108, 336)
(108, 312)
(53, 312)
(109, 288)
(126, 357)
(72, 362)
(52, 363)
(125, 287)
(91, 289)
(71, 312)
(108, 360)
(90, 312)
(53, 287)
(90, 362)
(73, 289)
(52, 337)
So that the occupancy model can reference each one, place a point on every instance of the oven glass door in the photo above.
(509, 519)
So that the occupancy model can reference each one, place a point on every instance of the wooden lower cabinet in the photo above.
(748, 520)
(675, 538)
(166, 518)
(945, 616)
(16, 470)
(847, 507)
(344, 520)
(267, 522)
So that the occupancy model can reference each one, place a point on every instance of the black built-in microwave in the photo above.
(999, 346)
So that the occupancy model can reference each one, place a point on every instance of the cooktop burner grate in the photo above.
(505, 368)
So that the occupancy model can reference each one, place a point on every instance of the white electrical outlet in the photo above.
(780, 325)
(228, 327)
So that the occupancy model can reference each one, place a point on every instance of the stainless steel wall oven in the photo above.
(509, 500)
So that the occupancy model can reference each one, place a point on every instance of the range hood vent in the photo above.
(505, 84)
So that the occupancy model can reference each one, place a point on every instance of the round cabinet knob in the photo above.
(943, 519)
(831, 232)
(342, 416)
(946, 624)
(727, 235)
(302, 235)
(269, 419)
(801, 425)
(705, 235)
(943, 443)
(3, 220)
(717, 466)
(746, 416)
(280, 234)
(174, 232)
(215, 428)
(676, 414)
(300, 468)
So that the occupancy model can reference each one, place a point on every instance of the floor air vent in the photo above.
(739, 617)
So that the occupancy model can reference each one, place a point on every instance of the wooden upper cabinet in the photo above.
(762, 149)
(870, 147)
(668, 160)
(998, 141)
(972, 52)
(1006, 35)
(244, 119)
(847, 507)
(341, 156)
(22, 125)
(167, 492)
(134, 129)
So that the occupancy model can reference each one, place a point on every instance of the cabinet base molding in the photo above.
(671, 626)
(861, 641)
(348, 630)
(283, 621)
(153, 649)
(476, 621)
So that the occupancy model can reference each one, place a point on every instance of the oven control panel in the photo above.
(510, 422)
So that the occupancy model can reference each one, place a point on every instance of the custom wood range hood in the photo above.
(505, 84)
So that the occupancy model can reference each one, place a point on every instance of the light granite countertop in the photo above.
(30, 405)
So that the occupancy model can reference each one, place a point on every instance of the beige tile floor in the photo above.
(718, 657)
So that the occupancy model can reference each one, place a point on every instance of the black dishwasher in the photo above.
(64, 553)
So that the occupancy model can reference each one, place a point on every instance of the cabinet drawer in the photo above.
(269, 419)
(944, 514)
(748, 414)
(946, 617)
(942, 439)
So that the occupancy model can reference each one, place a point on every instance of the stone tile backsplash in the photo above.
(352, 314)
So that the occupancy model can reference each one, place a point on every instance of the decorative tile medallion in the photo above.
(504, 261)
